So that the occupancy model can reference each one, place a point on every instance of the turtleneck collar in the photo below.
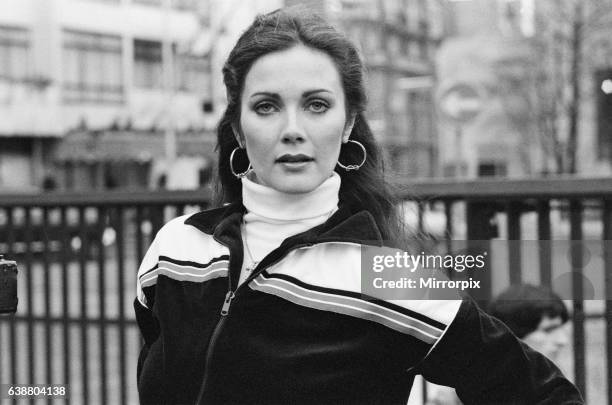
(269, 203)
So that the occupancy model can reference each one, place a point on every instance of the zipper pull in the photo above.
(226, 304)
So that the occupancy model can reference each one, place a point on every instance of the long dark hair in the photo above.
(364, 189)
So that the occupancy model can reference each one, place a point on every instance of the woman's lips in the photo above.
(294, 162)
(299, 158)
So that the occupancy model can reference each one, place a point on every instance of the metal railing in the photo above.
(574, 200)
(78, 256)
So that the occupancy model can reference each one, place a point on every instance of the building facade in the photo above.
(588, 50)
(126, 93)
(94, 73)
(484, 70)
(517, 56)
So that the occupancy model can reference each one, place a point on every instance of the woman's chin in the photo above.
(295, 184)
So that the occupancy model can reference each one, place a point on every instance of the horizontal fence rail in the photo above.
(78, 255)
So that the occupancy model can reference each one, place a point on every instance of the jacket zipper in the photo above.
(213, 338)
(227, 302)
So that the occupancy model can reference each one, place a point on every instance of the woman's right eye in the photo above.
(265, 108)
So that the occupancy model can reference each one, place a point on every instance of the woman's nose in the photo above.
(292, 130)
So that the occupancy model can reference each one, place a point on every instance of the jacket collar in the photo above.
(207, 221)
(345, 225)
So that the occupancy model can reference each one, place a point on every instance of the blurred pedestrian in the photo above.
(536, 315)
(259, 301)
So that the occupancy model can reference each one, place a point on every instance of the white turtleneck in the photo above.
(272, 216)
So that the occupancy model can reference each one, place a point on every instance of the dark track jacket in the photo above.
(298, 331)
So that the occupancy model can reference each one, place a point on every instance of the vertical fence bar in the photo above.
(448, 213)
(607, 251)
(478, 219)
(10, 232)
(64, 260)
(156, 216)
(3, 321)
(121, 291)
(577, 294)
(10, 239)
(513, 212)
(47, 298)
(545, 248)
(28, 238)
(180, 209)
(138, 239)
(420, 215)
(83, 253)
(100, 227)
(139, 235)
(448, 231)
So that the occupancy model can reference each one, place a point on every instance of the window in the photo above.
(192, 73)
(423, 49)
(455, 169)
(14, 54)
(148, 71)
(372, 40)
(92, 68)
(394, 45)
(393, 11)
(492, 169)
(363, 8)
(435, 15)
(414, 9)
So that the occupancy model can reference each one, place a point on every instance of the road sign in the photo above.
(461, 102)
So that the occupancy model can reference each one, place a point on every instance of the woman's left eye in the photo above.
(318, 106)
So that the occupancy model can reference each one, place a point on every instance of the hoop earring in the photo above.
(355, 167)
(231, 162)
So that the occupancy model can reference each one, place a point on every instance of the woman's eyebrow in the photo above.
(266, 94)
(311, 92)
(277, 96)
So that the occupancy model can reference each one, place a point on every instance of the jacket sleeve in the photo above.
(487, 364)
(143, 304)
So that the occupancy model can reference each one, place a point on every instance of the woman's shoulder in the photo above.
(203, 221)
(179, 240)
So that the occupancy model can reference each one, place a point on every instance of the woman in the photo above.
(259, 301)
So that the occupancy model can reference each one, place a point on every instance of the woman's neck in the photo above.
(268, 203)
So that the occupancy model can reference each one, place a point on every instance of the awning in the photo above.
(133, 146)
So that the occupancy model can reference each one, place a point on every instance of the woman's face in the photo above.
(293, 119)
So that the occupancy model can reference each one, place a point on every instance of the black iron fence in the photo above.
(543, 211)
(78, 256)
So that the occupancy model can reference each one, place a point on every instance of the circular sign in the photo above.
(461, 102)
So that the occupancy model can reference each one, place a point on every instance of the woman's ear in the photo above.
(238, 136)
(348, 128)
